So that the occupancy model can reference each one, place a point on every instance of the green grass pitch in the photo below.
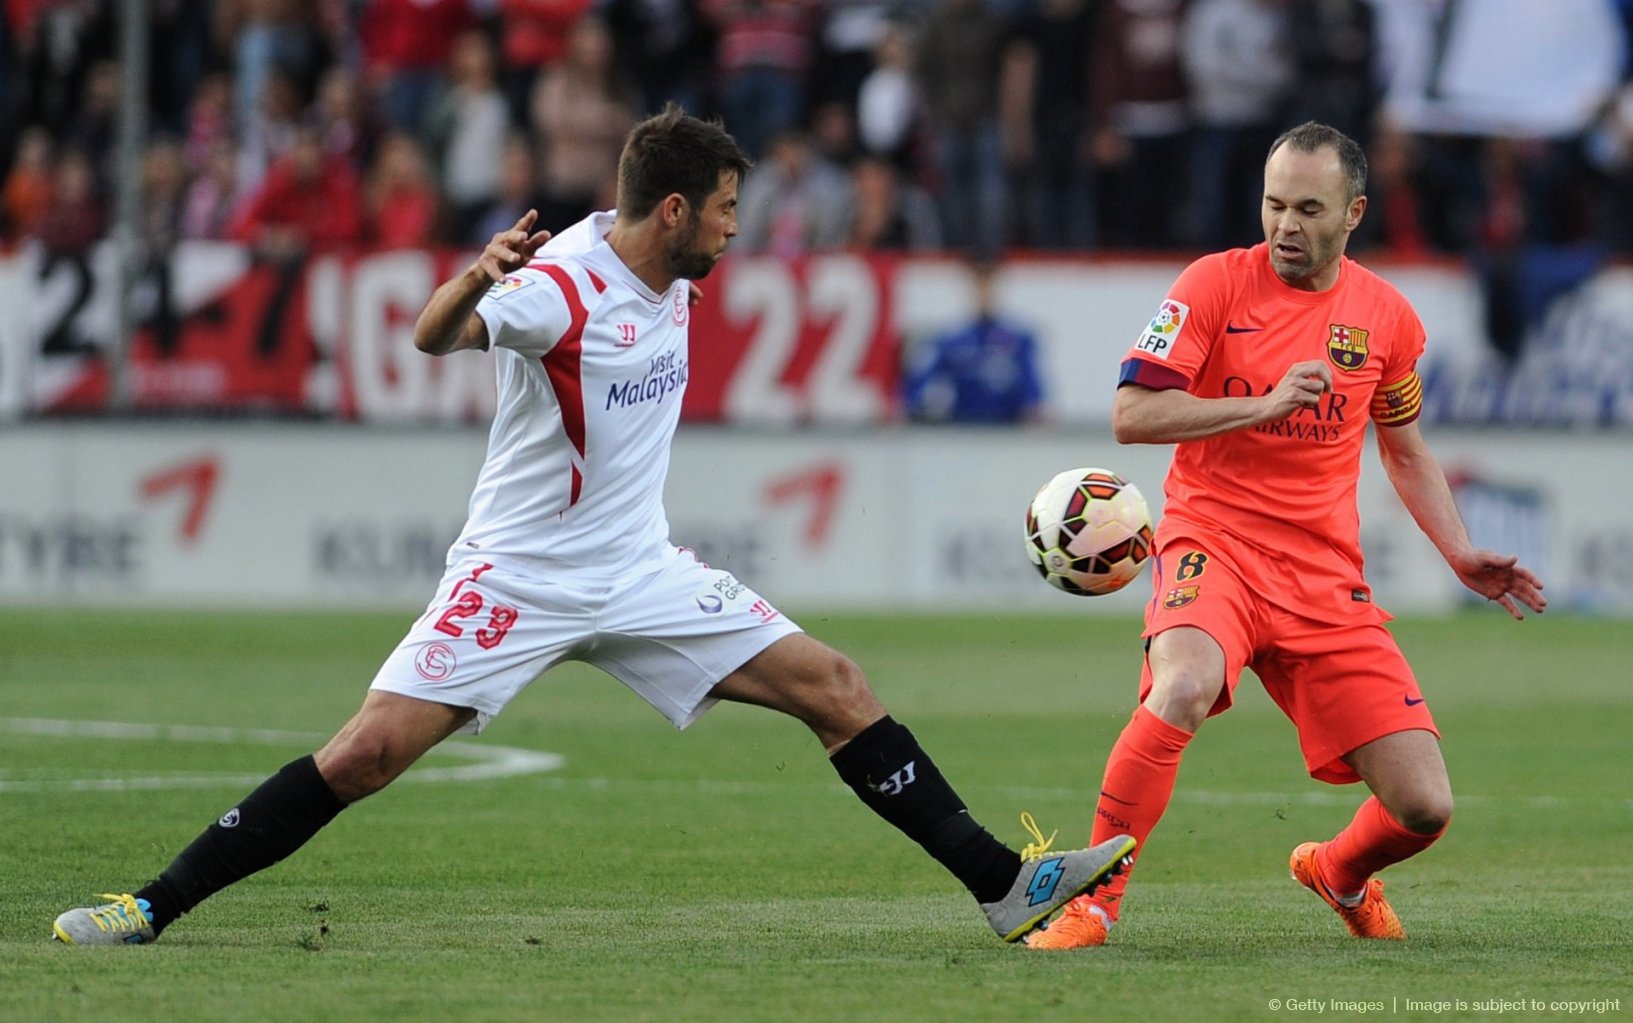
(724, 874)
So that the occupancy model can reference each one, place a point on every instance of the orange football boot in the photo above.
(1372, 917)
(1082, 924)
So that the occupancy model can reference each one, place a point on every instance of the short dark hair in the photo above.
(674, 152)
(1312, 137)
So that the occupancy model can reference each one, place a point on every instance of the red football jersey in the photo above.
(1280, 497)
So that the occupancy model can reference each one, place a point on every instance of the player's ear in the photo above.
(1352, 216)
(673, 209)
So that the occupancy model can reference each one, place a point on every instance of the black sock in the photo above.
(898, 781)
(267, 825)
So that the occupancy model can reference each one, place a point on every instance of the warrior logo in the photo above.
(893, 785)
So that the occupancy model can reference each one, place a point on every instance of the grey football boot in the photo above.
(1048, 880)
(124, 921)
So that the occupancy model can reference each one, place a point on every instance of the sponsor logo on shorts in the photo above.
(1180, 596)
(229, 819)
(710, 603)
(728, 586)
(1411, 702)
(764, 610)
(436, 662)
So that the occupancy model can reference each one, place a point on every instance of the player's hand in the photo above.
(511, 250)
(694, 294)
(1301, 387)
(1500, 577)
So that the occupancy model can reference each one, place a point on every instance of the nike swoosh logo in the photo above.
(1411, 702)
(1231, 328)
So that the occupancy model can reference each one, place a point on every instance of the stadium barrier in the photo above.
(814, 341)
(317, 516)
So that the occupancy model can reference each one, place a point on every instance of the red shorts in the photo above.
(1342, 686)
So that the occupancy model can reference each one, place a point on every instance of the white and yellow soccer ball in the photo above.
(1088, 531)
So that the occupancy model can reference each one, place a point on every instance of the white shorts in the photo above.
(671, 636)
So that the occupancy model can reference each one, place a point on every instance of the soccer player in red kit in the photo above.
(1264, 366)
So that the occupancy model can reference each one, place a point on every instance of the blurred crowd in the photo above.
(1493, 126)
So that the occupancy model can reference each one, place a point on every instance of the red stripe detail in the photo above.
(1153, 375)
(595, 279)
(563, 365)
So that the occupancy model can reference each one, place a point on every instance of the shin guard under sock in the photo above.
(887, 769)
(267, 825)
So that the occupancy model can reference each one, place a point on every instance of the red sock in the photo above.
(1139, 780)
(1373, 840)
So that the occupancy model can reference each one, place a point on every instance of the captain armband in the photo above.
(1398, 403)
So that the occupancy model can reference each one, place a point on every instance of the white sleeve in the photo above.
(581, 237)
(526, 312)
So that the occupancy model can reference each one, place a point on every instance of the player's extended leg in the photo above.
(885, 766)
(1410, 806)
(1187, 675)
(379, 743)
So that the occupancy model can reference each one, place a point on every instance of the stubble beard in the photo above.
(684, 259)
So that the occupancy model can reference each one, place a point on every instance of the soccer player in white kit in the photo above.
(566, 556)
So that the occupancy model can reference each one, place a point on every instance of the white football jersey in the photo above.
(591, 368)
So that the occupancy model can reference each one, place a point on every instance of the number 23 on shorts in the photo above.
(468, 603)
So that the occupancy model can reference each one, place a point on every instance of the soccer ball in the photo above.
(1088, 531)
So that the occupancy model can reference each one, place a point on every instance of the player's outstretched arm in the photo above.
(449, 323)
(1422, 487)
(1143, 415)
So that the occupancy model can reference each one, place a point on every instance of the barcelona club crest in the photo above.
(1347, 346)
(1179, 596)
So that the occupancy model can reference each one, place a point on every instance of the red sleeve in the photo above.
(1171, 349)
(250, 216)
(341, 220)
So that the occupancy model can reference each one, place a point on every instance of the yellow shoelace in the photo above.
(1039, 845)
(123, 915)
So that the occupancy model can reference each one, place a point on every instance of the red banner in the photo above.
(811, 341)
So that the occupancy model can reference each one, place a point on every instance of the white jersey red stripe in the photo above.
(591, 367)
(563, 365)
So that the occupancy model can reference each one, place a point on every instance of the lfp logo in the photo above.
(1170, 317)
(1160, 334)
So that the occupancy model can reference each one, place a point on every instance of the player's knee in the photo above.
(1427, 815)
(847, 683)
(842, 702)
(356, 764)
(1183, 695)
(845, 689)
